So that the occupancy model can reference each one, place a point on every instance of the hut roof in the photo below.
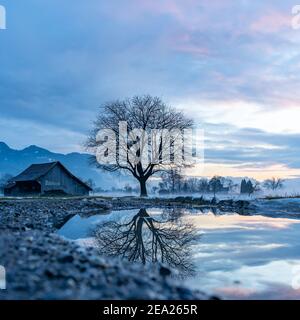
(36, 171)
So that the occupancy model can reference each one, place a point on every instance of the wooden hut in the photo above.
(46, 179)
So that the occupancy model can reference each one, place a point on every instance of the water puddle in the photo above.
(229, 255)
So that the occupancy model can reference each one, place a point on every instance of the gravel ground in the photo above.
(45, 214)
(41, 265)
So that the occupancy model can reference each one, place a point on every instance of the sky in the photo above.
(233, 66)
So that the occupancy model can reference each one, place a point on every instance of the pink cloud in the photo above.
(180, 11)
(191, 14)
(184, 43)
(271, 22)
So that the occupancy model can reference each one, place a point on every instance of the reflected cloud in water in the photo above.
(238, 256)
(246, 257)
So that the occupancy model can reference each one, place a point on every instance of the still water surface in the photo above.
(229, 255)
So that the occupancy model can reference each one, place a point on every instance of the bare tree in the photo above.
(216, 184)
(151, 115)
(229, 183)
(146, 239)
(203, 185)
(274, 183)
(172, 180)
(128, 188)
(253, 187)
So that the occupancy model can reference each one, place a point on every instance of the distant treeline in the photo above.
(173, 183)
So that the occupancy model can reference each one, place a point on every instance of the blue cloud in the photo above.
(61, 60)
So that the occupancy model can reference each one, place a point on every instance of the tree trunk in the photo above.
(143, 188)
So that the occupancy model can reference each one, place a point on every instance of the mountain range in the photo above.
(15, 161)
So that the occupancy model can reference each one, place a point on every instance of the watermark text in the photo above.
(296, 17)
(2, 278)
(154, 147)
(2, 17)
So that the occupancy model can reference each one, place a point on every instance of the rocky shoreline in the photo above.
(41, 265)
(50, 214)
(44, 266)
(45, 214)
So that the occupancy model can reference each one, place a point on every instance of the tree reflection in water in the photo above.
(150, 239)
